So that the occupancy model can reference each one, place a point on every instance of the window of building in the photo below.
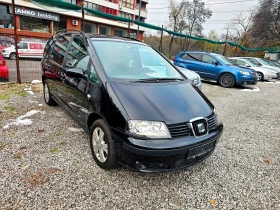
(6, 19)
(59, 25)
(133, 35)
(128, 3)
(90, 28)
(34, 24)
(70, 1)
(118, 32)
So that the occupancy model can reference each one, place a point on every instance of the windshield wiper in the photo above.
(159, 80)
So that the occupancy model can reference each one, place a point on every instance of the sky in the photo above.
(223, 12)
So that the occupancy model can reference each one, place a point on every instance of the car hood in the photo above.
(240, 68)
(263, 69)
(171, 103)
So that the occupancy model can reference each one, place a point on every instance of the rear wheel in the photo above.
(48, 96)
(13, 56)
(227, 80)
(260, 76)
(102, 145)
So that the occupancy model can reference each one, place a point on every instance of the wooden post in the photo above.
(16, 42)
(83, 20)
(160, 42)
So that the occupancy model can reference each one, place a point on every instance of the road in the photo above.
(29, 70)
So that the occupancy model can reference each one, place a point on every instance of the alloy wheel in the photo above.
(100, 147)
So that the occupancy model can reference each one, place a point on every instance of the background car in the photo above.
(263, 63)
(192, 76)
(25, 50)
(263, 73)
(215, 67)
(4, 71)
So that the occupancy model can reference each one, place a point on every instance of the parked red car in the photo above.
(4, 70)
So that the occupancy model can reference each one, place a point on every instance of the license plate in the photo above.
(201, 150)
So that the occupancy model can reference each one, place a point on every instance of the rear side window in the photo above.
(192, 56)
(59, 49)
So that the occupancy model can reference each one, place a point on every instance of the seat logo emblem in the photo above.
(201, 127)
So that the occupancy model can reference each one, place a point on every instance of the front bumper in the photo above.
(165, 155)
(247, 80)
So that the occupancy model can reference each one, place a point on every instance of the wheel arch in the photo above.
(92, 118)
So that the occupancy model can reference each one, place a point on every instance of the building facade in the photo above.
(38, 21)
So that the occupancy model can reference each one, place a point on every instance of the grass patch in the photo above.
(4, 97)
(54, 150)
(11, 108)
(23, 94)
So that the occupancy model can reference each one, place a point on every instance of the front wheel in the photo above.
(260, 76)
(13, 56)
(102, 146)
(227, 80)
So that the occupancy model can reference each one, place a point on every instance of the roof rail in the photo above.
(69, 30)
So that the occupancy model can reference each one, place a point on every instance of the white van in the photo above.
(25, 50)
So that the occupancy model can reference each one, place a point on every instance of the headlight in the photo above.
(151, 129)
(245, 73)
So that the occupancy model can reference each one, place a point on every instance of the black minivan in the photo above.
(146, 118)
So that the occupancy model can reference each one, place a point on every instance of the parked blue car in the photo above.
(211, 66)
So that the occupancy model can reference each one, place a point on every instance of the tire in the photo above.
(260, 76)
(227, 80)
(48, 96)
(102, 146)
(13, 56)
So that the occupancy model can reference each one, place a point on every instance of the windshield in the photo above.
(225, 60)
(132, 61)
(264, 62)
(254, 61)
(250, 62)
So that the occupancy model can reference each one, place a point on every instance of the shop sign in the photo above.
(35, 13)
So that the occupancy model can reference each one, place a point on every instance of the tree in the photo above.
(266, 21)
(176, 18)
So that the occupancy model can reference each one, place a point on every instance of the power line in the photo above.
(215, 3)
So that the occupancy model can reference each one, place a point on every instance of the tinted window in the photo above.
(77, 52)
(208, 59)
(59, 49)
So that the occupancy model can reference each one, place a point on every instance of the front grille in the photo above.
(200, 127)
(211, 122)
(179, 130)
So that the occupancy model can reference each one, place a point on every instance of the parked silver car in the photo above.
(263, 72)
(263, 63)
(191, 75)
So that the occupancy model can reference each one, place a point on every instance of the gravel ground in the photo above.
(48, 164)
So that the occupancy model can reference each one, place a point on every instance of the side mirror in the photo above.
(76, 73)
(216, 63)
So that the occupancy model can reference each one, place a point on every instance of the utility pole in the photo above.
(139, 17)
(16, 42)
(225, 43)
